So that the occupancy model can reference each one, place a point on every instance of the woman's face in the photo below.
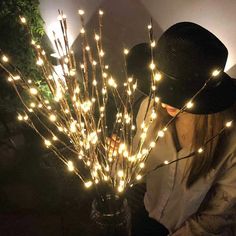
(172, 111)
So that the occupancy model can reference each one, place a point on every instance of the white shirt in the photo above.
(207, 207)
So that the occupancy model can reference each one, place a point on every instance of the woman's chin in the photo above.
(172, 112)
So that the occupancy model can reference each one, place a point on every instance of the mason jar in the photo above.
(111, 216)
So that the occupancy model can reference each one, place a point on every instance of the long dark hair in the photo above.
(205, 127)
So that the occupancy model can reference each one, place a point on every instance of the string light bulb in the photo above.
(88, 184)
(152, 66)
(52, 117)
(5, 58)
(153, 44)
(81, 12)
(126, 51)
(23, 20)
(189, 105)
(200, 150)
(70, 166)
(33, 91)
(215, 73)
(228, 124)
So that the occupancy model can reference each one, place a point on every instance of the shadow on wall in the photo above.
(124, 25)
(232, 71)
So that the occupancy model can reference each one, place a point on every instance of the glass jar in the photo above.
(111, 216)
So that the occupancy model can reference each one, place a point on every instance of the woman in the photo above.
(196, 195)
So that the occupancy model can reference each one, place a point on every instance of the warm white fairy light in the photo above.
(20, 117)
(120, 173)
(32, 104)
(88, 184)
(141, 165)
(70, 166)
(39, 62)
(86, 106)
(138, 177)
(73, 128)
(105, 178)
(104, 91)
(52, 117)
(25, 117)
(101, 12)
(144, 151)
(200, 150)
(81, 12)
(5, 58)
(102, 53)
(17, 77)
(153, 44)
(120, 188)
(9, 79)
(215, 73)
(189, 104)
(96, 37)
(112, 82)
(153, 115)
(161, 133)
(166, 162)
(149, 27)
(72, 72)
(93, 138)
(157, 76)
(156, 99)
(228, 124)
(88, 163)
(33, 91)
(152, 65)
(23, 20)
(126, 51)
(47, 142)
(152, 144)
(82, 31)
(104, 75)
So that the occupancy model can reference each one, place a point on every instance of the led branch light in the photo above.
(75, 118)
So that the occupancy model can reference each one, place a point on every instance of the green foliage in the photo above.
(14, 39)
(15, 42)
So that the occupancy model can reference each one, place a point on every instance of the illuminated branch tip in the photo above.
(81, 12)
(5, 58)
(215, 73)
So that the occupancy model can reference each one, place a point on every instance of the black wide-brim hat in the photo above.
(186, 56)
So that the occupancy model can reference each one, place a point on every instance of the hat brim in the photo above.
(209, 100)
(171, 92)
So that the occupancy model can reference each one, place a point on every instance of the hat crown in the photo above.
(189, 52)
